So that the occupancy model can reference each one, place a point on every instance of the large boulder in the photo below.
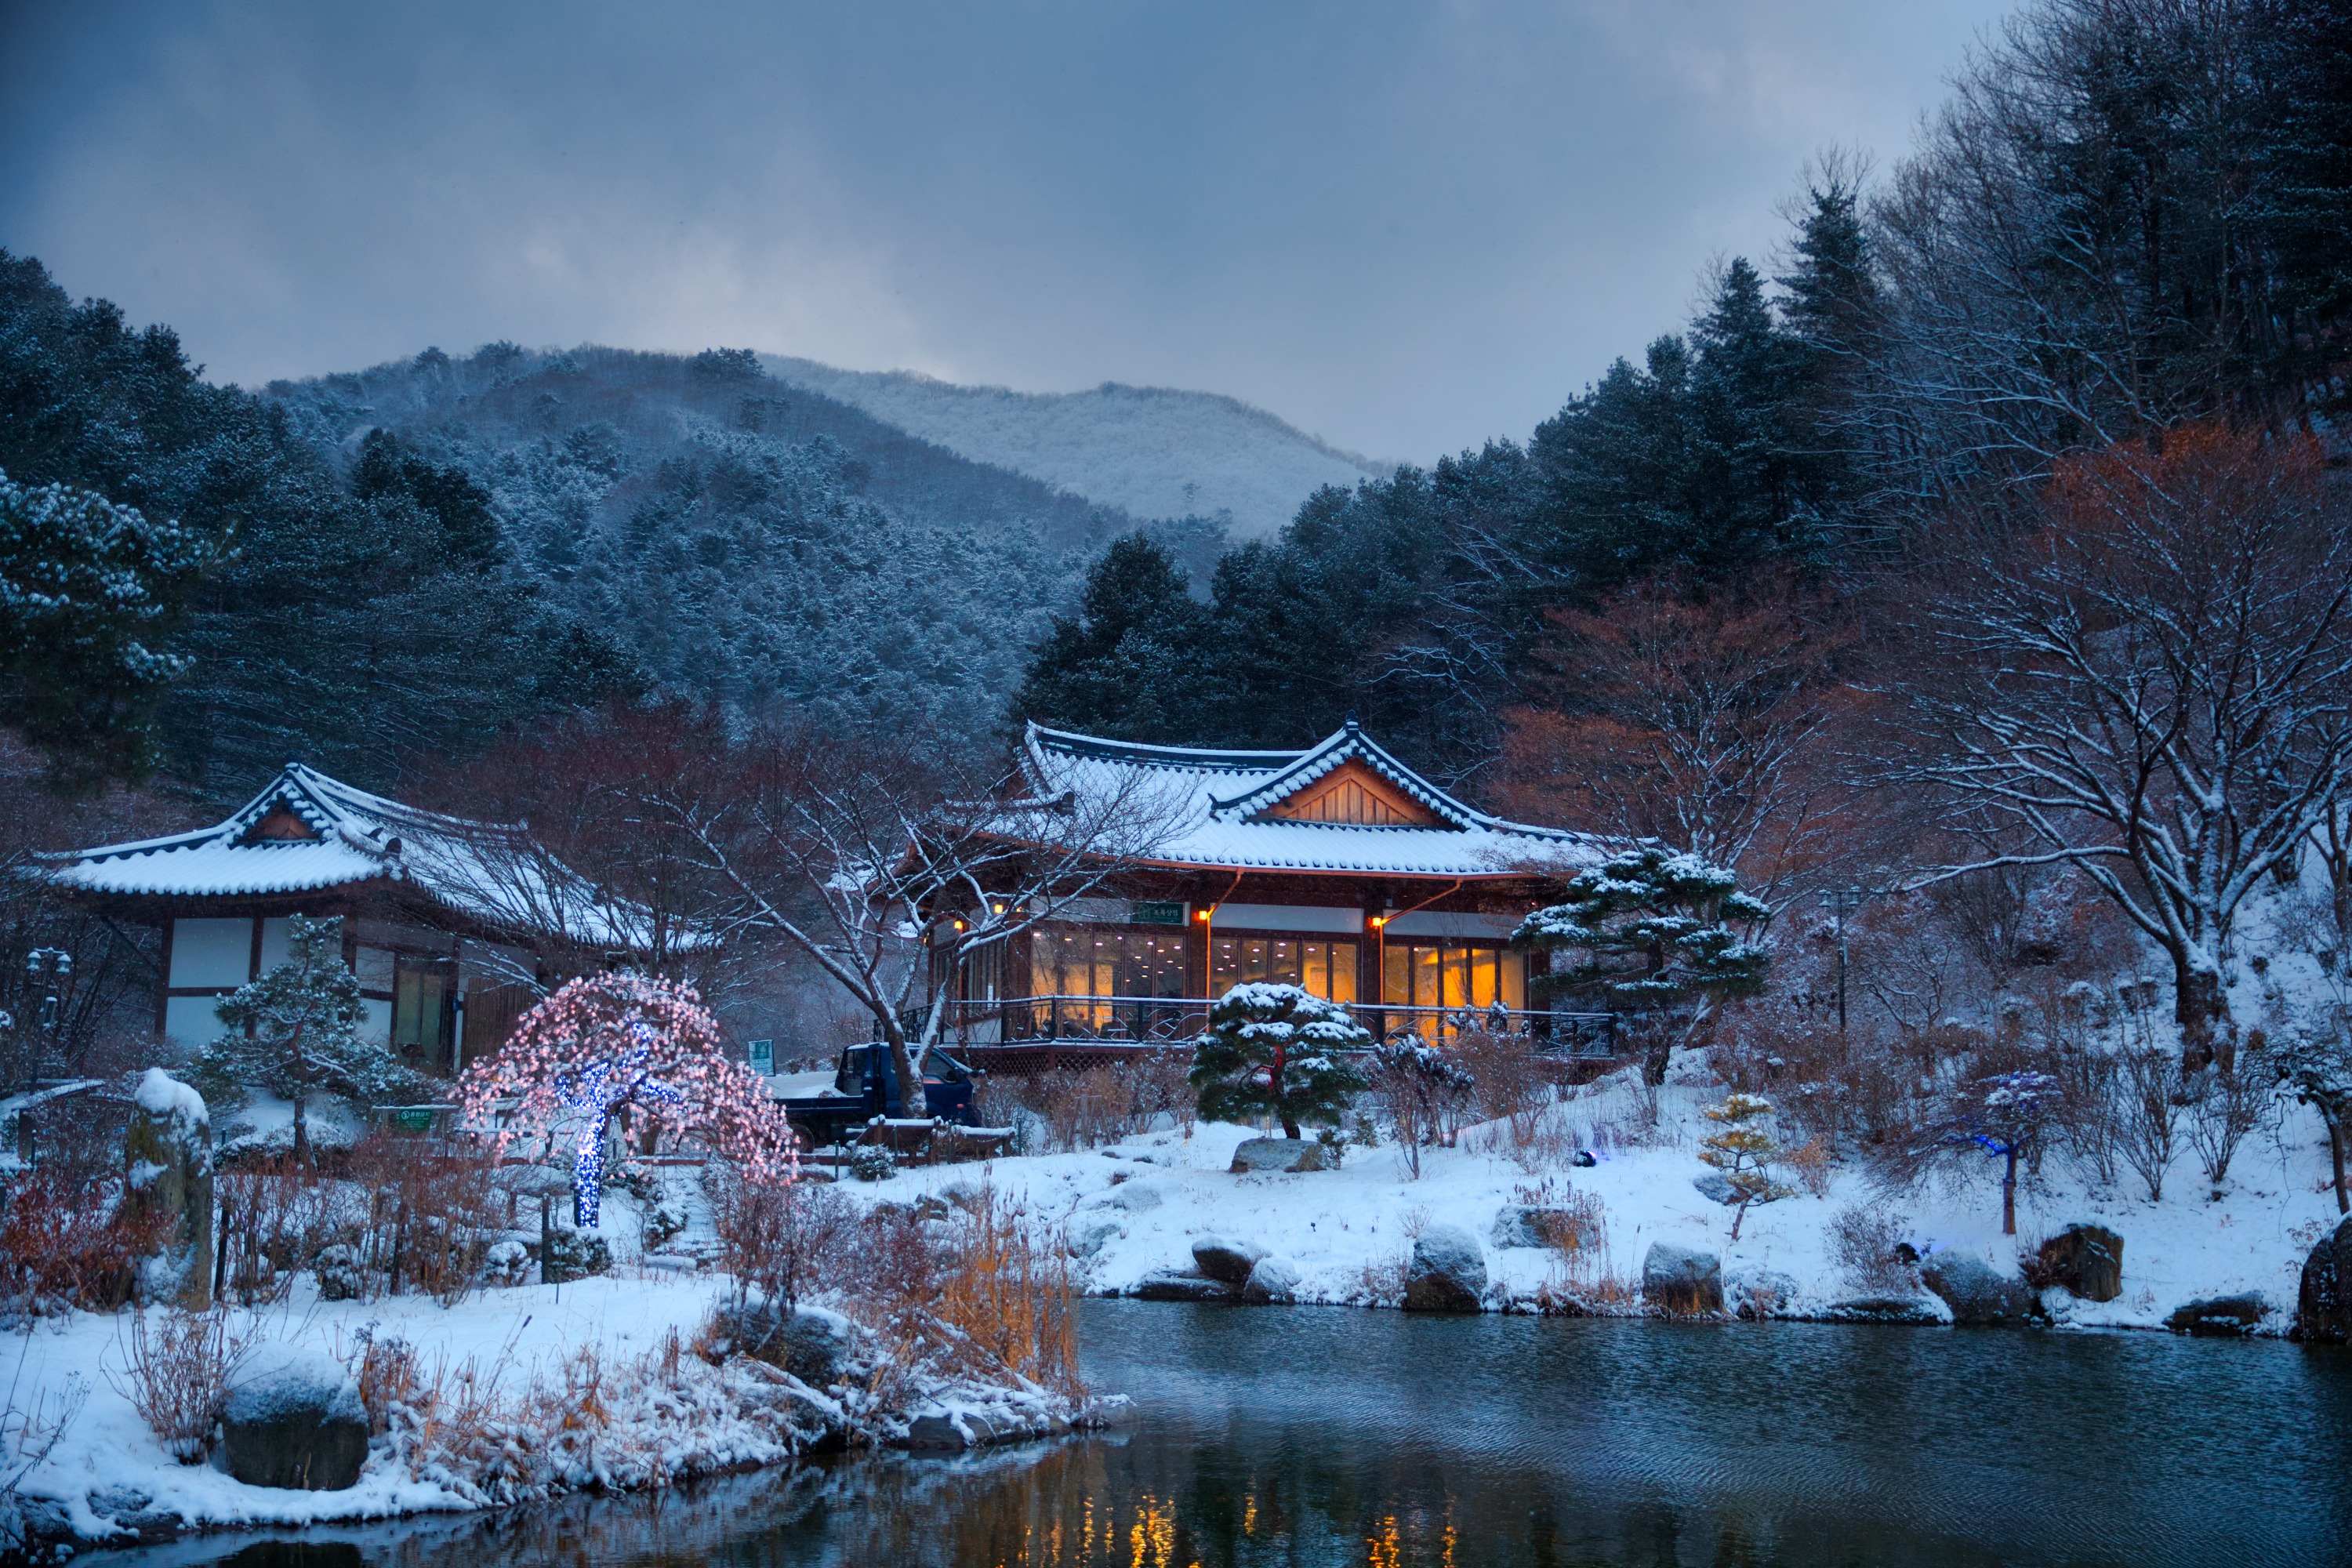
(1270, 1283)
(1978, 1297)
(1448, 1271)
(2323, 1307)
(1760, 1295)
(1682, 1279)
(1221, 1258)
(2221, 1317)
(295, 1422)
(1279, 1154)
(1090, 1235)
(1169, 1285)
(1528, 1224)
(2087, 1260)
(167, 1171)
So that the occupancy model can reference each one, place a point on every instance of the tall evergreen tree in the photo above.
(1130, 663)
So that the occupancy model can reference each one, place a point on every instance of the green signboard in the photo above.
(1156, 915)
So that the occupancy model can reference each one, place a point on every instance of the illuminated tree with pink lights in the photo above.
(606, 1046)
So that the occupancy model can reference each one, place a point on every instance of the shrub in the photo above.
(1866, 1242)
(275, 1214)
(67, 1243)
(872, 1163)
(179, 1364)
(1422, 1091)
(784, 1240)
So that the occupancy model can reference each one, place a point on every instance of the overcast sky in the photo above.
(1403, 227)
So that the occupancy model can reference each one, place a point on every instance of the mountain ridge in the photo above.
(1150, 451)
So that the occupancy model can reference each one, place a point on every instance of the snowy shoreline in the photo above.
(1131, 1212)
(608, 1342)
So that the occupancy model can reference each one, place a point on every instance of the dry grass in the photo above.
(178, 1367)
(1810, 1166)
(1005, 1288)
(1381, 1283)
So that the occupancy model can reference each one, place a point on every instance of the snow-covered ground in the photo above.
(1150, 1196)
(513, 1337)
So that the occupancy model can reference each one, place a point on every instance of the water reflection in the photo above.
(1361, 1439)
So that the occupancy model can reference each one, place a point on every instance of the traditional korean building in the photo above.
(1336, 868)
(447, 923)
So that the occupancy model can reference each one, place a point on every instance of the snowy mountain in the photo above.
(1150, 451)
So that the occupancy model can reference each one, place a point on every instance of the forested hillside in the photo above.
(2125, 220)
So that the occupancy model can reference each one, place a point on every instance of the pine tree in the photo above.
(1658, 930)
(296, 1031)
(1273, 1050)
(1128, 664)
(87, 592)
(1744, 1152)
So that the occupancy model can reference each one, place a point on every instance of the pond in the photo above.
(1329, 1436)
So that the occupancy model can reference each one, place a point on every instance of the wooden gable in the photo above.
(1353, 792)
(280, 824)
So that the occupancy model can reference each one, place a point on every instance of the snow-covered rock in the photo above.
(2087, 1260)
(1221, 1258)
(167, 1164)
(1682, 1279)
(2221, 1317)
(1978, 1297)
(1447, 1272)
(1527, 1225)
(1271, 1282)
(295, 1420)
(1174, 1285)
(2324, 1296)
(1285, 1155)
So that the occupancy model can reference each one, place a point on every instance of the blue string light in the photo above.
(595, 1092)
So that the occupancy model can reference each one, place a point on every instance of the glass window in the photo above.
(1453, 976)
(420, 1010)
(1067, 963)
(1324, 969)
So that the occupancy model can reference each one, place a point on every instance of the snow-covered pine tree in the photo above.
(2317, 1066)
(1658, 930)
(1274, 1050)
(296, 1030)
(1744, 1152)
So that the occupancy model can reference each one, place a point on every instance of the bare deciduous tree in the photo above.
(892, 870)
(2152, 686)
(1695, 719)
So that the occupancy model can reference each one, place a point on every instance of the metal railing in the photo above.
(1159, 1020)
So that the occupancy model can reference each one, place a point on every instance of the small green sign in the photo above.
(1156, 915)
(415, 1119)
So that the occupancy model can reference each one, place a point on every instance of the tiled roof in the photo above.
(359, 837)
(1219, 800)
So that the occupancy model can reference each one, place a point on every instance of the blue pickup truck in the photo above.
(824, 1106)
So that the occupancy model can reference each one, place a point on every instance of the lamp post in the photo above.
(1842, 902)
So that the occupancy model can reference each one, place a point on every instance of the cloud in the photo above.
(1405, 227)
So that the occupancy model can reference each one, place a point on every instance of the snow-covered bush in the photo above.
(1867, 1243)
(782, 1239)
(1422, 1090)
(296, 1031)
(872, 1163)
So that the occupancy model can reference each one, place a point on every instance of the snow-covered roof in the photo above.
(1224, 806)
(309, 833)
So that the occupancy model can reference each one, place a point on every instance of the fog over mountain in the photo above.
(1148, 450)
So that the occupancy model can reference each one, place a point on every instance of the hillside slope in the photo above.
(1149, 451)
